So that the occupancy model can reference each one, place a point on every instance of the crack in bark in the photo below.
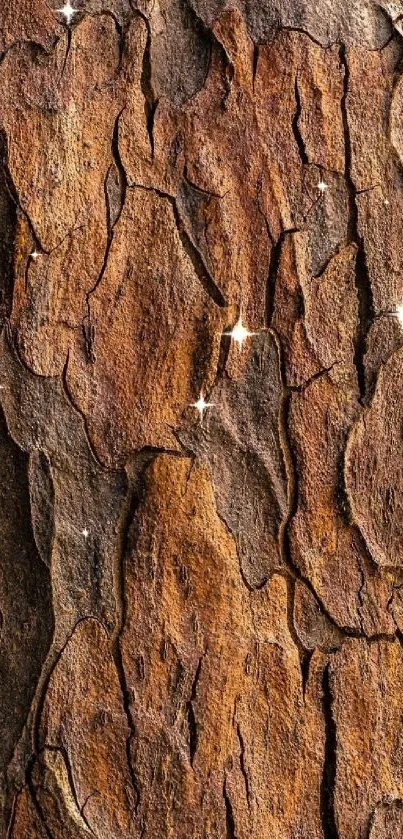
(229, 814)
(80, 413)
(48, 669)
(295, 125)
(203, 274)
(11, 820)
(389, 603)
(274, 264)
(397, 75)
(338, 250)
(392, 21)
(89, 796)
(360, 591)
(341, 495)
(117, 655)
(246, 583)
(13, 193)
(36, 709)
(150, 100)
(243, 765)
(255, 64)
(119, 29)
(88, 330)
(46, 468)
(292, 494)
(366, 189)
(68, 32)
(284, 28)
(8, 236)
(191, 718)
(200, 189)
(228, 73)
(35, 801)
(69, 769)
(305, 661)
(88, 327)
(121, 172)
(362, 279)
(133, 498)
(327, 809)
(314, 378)
(223, 354)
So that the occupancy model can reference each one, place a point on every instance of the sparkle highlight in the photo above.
(201, 406)
(68, 11)
(239, 333)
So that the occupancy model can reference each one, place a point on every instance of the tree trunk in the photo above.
(201, 606)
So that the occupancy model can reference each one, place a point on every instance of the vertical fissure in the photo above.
(295, 125)
(274, 264)
(255, 64)
(112, 218)
(191, 718)
(150, 100)
(34, 797)
(362, 279)
(229, 814)
(9, 208)
(243, 764)
(121, 608)
(305, 661)
(328, 815)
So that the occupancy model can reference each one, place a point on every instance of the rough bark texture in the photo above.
(201, 623)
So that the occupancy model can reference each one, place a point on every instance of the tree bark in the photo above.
(201, 611)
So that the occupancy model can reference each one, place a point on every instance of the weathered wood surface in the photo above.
(201, 623)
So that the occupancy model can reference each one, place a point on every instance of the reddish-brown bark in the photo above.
(201, 621)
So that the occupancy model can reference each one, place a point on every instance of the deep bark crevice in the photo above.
(327, 791)
(242, 764)
(305, 660)
(229, 814)
(362, 279)
(255, 64)
(150, 100)
(8, 225)
(191, 717)
(295, 125)
(134, 493)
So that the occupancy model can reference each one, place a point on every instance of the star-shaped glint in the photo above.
(85, 533)
(201, 406)
(68, 11)
(322, 186)
(34, 254)
(239, 333)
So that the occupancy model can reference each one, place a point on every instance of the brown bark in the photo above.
(201, 622)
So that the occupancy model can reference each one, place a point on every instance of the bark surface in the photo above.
(201, 622)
